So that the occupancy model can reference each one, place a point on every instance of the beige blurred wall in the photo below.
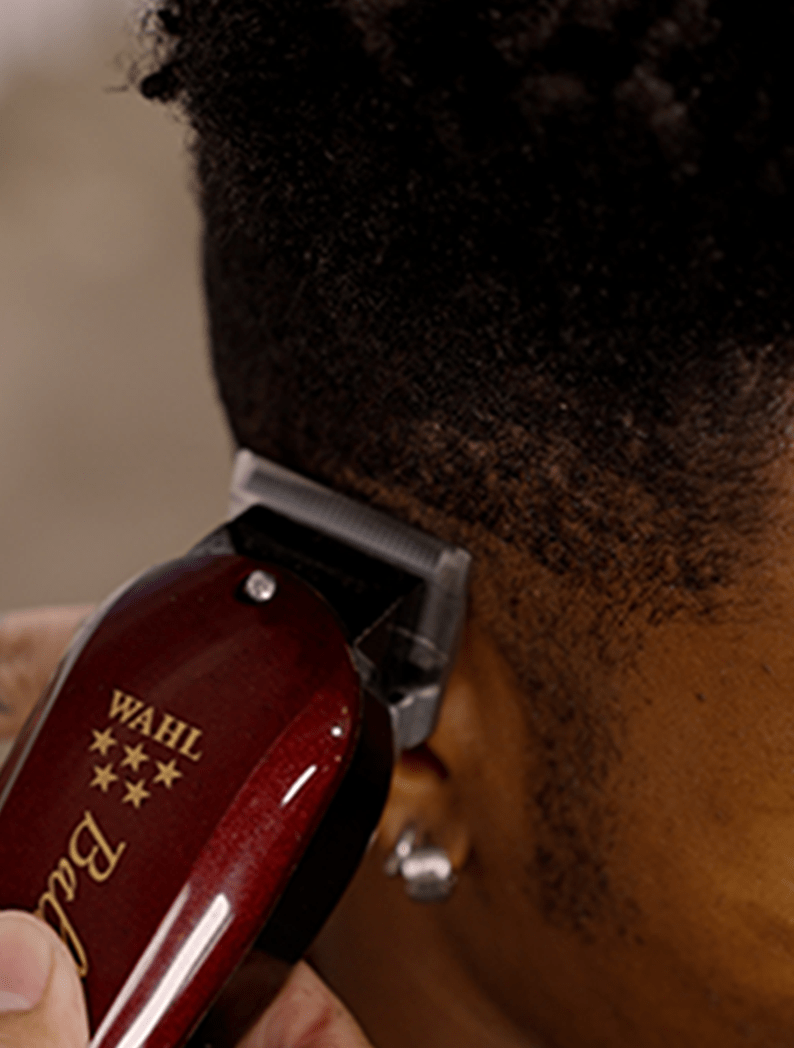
(113, 453)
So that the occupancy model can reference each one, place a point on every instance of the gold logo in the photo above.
(170, 731)
(164, 730)
(126, 770)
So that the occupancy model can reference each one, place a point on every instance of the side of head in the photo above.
(522, 273)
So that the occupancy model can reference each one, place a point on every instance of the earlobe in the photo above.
(422, 799)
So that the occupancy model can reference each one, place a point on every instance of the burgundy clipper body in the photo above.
(209, 762)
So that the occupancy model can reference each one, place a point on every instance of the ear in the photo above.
(458, 789)
(465, 791)
(433, 785)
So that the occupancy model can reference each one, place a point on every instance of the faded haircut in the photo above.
(521, 271)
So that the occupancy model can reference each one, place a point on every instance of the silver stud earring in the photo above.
(426, 870)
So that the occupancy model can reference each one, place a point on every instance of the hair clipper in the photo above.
(210, 760)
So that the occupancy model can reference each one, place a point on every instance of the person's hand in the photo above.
(31, 643)
(42, 1003)
(305, 1015)
(41, 1000)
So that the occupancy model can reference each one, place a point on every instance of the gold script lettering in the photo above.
(64, 877)
(88, 861)
(65, 927)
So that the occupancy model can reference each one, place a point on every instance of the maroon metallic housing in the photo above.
(207, 763)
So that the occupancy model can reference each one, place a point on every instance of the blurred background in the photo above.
(113, 452)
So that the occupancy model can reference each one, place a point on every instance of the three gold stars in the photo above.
(103, 741)
(135, 757)
(136, 793)
(167, 773)
(103, 777)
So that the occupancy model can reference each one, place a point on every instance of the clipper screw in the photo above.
(260, 587)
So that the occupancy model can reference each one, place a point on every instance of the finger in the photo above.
(306, 1014)
(244, 998)
(41, 1000)
(31, 643)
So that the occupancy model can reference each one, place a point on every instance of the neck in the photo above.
(395, 964)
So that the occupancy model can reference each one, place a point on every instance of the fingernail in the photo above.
(25, 961)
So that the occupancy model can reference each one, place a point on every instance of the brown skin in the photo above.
(696, 946)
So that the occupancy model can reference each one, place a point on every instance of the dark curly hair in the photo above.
(459, 246)
(525, 264)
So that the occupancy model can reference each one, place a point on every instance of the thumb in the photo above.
(306, 1014)
(41, 1000)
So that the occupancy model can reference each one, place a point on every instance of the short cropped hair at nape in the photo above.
(526, 266)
